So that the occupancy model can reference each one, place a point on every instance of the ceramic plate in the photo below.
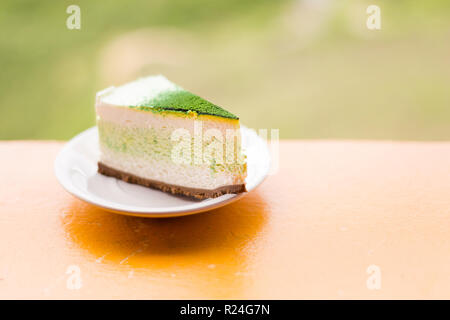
(76, 170)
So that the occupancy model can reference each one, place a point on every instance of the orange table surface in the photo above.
(334, 216)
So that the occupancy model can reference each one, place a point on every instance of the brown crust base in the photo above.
(170, 188)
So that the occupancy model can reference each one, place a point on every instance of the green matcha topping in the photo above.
(183, 101)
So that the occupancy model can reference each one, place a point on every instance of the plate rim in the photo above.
(71, 188)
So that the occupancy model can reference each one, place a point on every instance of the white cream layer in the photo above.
(166, 171)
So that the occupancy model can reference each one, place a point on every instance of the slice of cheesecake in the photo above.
(156, 134)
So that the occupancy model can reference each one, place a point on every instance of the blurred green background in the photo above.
(310, 68)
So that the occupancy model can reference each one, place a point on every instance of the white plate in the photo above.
(76, 170)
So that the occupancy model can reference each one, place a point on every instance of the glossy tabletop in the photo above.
(339, 219)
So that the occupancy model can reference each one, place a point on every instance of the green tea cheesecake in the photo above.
(156, 134)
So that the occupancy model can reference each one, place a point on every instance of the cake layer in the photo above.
(164, 169)
(161, 120)
(156, 94)
(174, 189)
